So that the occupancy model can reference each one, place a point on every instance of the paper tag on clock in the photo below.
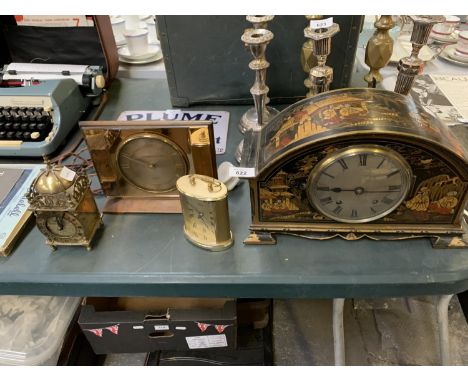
(242, 172)
(67, 174)
(317, 24)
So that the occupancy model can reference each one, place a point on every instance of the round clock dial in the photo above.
(359, 184)
(60, 226)
(151, 162)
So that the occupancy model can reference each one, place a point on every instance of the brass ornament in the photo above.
(205, 212)
(65, 209)
(139, 162)
(379, 50)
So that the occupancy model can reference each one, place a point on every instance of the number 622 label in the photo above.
(242, 172)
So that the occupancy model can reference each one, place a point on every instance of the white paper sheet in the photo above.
(455, 88)
(26, 71)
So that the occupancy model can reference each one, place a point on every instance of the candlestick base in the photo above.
(249, 119)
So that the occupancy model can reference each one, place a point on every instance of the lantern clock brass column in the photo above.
(65, 210)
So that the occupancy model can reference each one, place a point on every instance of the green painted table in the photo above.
(147, 255)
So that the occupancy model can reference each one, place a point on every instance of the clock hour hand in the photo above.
(200, 216)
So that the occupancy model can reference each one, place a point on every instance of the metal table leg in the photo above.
(442, 320)
(338, 331)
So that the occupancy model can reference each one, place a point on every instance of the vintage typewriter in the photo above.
(40, 104)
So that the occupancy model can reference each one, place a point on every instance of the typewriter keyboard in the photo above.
(28, 124)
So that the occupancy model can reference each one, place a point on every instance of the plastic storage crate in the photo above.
(32, 328)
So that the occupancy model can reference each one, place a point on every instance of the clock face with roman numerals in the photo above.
(359, 184)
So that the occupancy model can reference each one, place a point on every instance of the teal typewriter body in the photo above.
(36, 119)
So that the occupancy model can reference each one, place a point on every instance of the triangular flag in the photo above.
(114, 329)
(96, 332)
(220, 328)
(203, 326)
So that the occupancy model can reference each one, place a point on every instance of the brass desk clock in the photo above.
(139, 162)
(205, 210)
(357, 163)
(65, 210)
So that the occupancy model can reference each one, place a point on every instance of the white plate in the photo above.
(152, 51)
(445, 56)
(452, 53)
(451, 39)
(157, 57)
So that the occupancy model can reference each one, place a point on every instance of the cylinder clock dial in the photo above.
(205, 211)
(359, 184)
(151, 162)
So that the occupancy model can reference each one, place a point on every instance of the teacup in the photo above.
(137, 41)
(447, 27)
(131, 21)
(118, 27)
(151, 25)
(462, 44)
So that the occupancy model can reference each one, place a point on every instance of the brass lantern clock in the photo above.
(65, 209)
(357, 163)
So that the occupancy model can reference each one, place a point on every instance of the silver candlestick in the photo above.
(256, 117)
(250, 119)
(320, 76)
(410, 66)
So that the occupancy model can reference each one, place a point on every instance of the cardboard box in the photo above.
(138, 325)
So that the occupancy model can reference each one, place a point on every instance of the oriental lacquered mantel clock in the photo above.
(357, 163)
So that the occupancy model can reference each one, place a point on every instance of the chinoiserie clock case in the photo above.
(139, 162)
(357, 163)
(65, 209)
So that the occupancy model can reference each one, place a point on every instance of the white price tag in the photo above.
(205, 342)
(161, 327)
(242, 172)
(67, 174)
(326, 23)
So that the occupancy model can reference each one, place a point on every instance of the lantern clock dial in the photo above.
(359, 184)
(59, 226)
(151, 162)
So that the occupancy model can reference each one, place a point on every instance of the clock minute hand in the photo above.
(359, 190)
(138, 161)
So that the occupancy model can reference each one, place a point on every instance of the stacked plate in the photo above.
(153, 54)
(450, 54)
(446, 39)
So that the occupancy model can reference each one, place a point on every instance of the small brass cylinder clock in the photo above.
(65, 210)
(205, 210)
